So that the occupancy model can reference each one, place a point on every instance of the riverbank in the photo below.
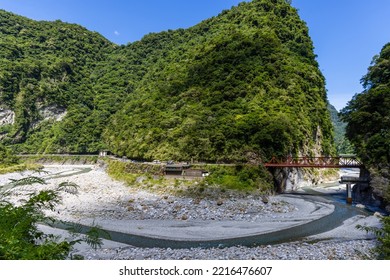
(213, 216)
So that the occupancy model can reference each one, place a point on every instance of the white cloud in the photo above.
(116, 33)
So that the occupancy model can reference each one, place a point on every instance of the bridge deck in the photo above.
(352, 179)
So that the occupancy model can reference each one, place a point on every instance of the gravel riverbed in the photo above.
(101, 198)
(326, 250)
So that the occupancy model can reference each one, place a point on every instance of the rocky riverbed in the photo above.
(326, 250)
(103, 201)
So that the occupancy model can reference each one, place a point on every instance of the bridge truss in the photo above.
(315, 162)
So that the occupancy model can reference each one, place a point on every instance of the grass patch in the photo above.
(241, 178)
(70, 159)
(20, 167)
(117, 171)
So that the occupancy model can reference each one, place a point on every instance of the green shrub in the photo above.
(241, 177)
(383, 234)
(117, 170)
(20, 238)
(6, 156)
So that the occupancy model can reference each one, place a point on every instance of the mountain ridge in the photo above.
(239, 85)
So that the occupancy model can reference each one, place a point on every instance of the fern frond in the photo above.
(378, 232)
(41, 170)
(68, 187)
(94, 237)
(27, 181)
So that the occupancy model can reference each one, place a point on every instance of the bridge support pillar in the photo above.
(349, 193)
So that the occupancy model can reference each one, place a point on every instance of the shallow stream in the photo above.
(341, 213)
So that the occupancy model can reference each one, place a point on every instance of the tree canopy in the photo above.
(368, 113)
(241, 84)
(343, 145)
(244, 82)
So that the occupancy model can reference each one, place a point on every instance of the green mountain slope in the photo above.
(47, 67)
(242, 85)
(343, 146)
(239, 85)
(368, 113)
(368, 125)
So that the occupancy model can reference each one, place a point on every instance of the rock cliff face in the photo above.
(364, 194)
(7, 117)
(291, 179)
(46, 113)
(376, 192)
(52, 112)
(288, 179)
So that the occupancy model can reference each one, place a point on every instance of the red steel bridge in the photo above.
(316, 162)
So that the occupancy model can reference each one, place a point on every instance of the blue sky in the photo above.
(346, 33)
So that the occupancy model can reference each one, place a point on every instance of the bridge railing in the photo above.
(315, 162)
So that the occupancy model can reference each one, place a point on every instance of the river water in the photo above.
(335, 195)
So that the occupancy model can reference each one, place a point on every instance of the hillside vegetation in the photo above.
(368, 113)
(368, 118)
(48, 66)
(241, 86)
(343, 145)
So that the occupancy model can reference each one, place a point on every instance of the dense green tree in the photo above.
(343, 145)
(241, 83)
(245, 82)
(20, 236)
(368, 113)
(47, 64)
(368, 128)
(6, 156)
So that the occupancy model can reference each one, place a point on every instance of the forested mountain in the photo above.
(242, 85)
(245, 82)
(343, 145)
(368, 118)
(368, 113)
(47, 69)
